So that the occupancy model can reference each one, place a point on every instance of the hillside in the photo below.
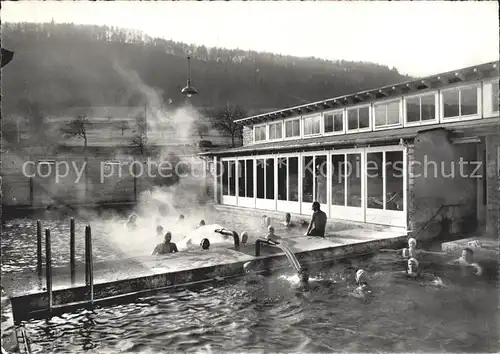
(61, 65)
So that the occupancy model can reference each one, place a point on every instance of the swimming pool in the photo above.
(271, 316)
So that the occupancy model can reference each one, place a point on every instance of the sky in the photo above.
(418, 38)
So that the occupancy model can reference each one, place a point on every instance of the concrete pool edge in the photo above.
(25, 307)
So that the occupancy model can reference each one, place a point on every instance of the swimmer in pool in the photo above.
(413, 272)
(271, 236)
(317, 225)
(181, 218)
(131, 223)
(288, 221)
(244, 237)
(362, 289)
(205, 244)
(250, 269)
(202, 223)
(159, 231)
(411, 251)
(466, 261)
(166, 246)
(266, 220)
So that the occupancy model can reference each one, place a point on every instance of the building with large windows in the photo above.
(406, 155)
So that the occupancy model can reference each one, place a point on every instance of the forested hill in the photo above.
(56, 65)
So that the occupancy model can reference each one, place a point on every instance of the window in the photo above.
(260, 178)
(249, 178)
(225, 180)
(292, 128)
(387, 114)
(260, 133)
(494, 97)
(312, 125)
(353, 180)
(358, 118)
(269, 178)
(459, 102)
(308, 179)
(334, 122)
(338, 179)
(275, 130)
(421, 108)
(293, 177)
(282, 178)
(241, 178)
(232, 178)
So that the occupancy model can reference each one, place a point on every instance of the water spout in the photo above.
(288, 253)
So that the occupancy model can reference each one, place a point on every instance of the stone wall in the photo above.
(431, 184)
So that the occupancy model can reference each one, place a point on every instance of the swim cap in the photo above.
(244, 237)
(413, 260)
(270, 227)
(412, 240)
(359, 273)
(205, 244)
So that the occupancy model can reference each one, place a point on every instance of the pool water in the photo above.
(272, 315)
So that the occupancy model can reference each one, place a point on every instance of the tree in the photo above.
(123, 125)
(77, 128)
(140, 139)
(223, 119)
(202, 128)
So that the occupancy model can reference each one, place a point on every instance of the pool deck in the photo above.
(154, 273)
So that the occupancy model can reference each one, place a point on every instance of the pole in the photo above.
(90, 268)
(39, 247)
(86, 255)
(48, 265)
(135, 184)
(31, 191)
(72, 250)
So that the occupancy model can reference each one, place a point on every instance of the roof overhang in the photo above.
(471, 73)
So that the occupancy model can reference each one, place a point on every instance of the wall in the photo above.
(493, 186)
(20, 190)
(247, 135)
(432, 185)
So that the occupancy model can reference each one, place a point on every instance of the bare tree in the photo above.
(77, 128)
(123, 125)
(223, 119)
(140, 139)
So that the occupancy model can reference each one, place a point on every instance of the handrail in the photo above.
(289, 254)
(433, 217)
(234, 234)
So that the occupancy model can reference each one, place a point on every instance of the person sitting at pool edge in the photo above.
(271, 236)
(181, 218)
(318, 220)
(166, 246)
(466, 261)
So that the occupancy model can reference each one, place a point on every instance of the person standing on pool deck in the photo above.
(318, 220)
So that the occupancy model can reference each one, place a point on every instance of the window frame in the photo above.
(269, 130)
(255, 132)
(358, 107)
(310, 116)
(489, 109)
(460, 117)
(420, 122)
(294, 137)
(399, 100)
(333, 112)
